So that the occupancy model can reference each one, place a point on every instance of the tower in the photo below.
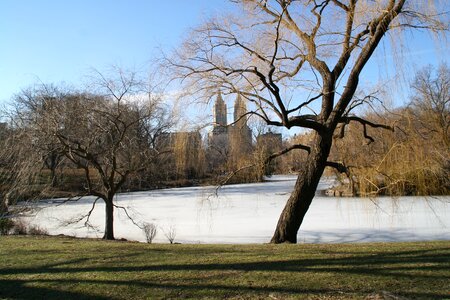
(240, 109)
(220, 115)
(241, 134)
(218, 137)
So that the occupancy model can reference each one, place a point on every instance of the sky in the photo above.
(60, 41)
(54, 41)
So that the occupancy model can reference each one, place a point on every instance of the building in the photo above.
(229, 145)
(218, 143)
(271, 141)
(228, 142)
(240, 134)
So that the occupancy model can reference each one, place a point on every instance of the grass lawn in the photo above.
(67, 268)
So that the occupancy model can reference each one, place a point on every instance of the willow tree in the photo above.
(298, 64)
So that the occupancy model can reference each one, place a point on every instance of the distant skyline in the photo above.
(57, 41)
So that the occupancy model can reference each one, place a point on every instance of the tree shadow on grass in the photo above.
(20, 289)
(357, 235)
(423, 265)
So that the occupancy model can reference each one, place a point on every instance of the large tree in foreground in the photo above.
(298, 64)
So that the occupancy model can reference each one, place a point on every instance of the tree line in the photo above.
(117, 135)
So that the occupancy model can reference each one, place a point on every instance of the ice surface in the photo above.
(248, 213)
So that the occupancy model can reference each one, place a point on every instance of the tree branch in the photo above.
(347, 119)
(286, 150)
(128, 215)
(340, 167)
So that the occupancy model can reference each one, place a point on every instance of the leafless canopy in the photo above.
(431, 100)
(108, 131)
(297, 62)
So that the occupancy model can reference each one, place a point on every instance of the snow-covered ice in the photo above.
(248, 213)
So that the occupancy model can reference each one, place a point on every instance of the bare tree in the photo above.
(431, 100)
(20, 165)
(4, 170)
(108, 133)
(298, 64)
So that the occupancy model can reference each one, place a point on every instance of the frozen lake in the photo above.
(248, 213)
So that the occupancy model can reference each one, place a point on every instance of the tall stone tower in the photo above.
(241, 134)
(229, 144)
(218, 142)
(240, 109)
(220, 115)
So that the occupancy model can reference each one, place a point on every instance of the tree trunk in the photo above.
(53, 176)
(308, 179)
(109, 220)
(3, 206)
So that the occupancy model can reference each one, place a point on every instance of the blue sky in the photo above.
(58, 41)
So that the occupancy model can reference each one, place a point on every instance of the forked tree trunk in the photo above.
(308, 179)
(109, 220)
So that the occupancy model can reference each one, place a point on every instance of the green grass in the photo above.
(66, 268)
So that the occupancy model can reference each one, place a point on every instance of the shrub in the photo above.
(20, 227)
(150, 231)
(36, 230)
(170, 234)
(6, 224)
